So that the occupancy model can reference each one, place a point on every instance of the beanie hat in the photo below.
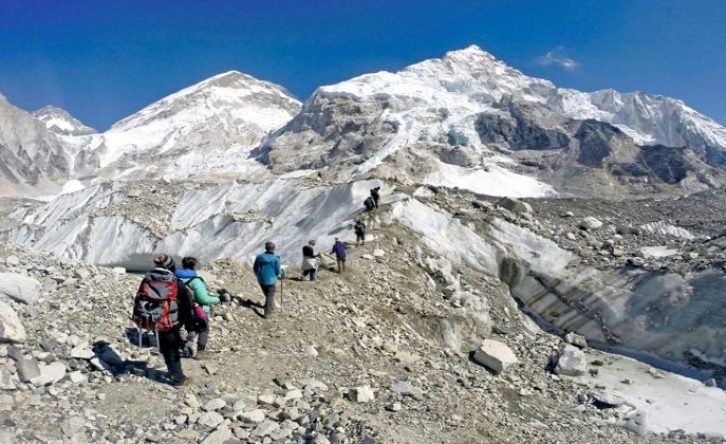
(164, 261)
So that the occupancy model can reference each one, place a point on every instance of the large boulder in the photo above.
(495, 355)
(50, 374)
(590, 223)
(362, 394)
(515, 206)
(11, 329)
(19, 288)
(571, 362)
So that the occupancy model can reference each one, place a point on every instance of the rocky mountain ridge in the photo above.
(455, 121)
(464, 120)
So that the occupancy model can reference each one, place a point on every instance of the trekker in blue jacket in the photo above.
(267, 269)
(340, 249)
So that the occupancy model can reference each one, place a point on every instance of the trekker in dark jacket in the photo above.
(341, 253)
(188, 275)
(310, 260)
(170, 341)
(267, 269)
(376, 195)
(360, 232)
(369, 203)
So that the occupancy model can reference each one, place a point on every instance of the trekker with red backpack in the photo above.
(200, 291)
(163, 305)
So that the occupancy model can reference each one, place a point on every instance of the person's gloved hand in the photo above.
(224, 296)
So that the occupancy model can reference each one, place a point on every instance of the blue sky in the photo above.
(103, 60)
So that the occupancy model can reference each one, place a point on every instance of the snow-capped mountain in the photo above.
(61, 122)
(432, 122)
(205, 128)
(465, 120)
(32, 159)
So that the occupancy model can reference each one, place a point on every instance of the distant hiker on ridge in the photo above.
(376, 195)
(163, 305)
(341, 252)
(360, 232)
(188, 275)
(310, 260)
(267, 269)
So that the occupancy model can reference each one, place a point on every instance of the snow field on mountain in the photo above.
(491, 181)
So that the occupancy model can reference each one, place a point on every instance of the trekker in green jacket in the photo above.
(188, 275)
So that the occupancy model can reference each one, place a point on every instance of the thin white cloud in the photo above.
(558, 57)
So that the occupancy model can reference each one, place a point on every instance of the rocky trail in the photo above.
(383, 353)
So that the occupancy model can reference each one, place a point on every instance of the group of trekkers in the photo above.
(170, 298)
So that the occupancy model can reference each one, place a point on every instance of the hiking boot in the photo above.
(182, 382)
(201, 355)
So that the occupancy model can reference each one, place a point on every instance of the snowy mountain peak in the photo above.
(470, 74)
(61, 122)
(231, 110)
(225, 91)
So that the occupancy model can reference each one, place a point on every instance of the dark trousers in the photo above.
(204, 335)
(341, 264)
(360, 237)
(310, 273)
(170, 342)
(269, 292)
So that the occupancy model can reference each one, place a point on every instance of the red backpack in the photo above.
(156, 305)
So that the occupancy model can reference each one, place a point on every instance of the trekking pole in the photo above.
(282, 293)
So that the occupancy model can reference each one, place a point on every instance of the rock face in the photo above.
(19, 288)
(33, 158)
(495, 355)
(577, 142)
(11, 329)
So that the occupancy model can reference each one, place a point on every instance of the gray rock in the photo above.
(210, 419)
(265, 428)
(495, 355)
(571, 362)
(252, 416)
(50, 374)
(11, 329)
(576, 340)
(214, 404)
(82, 352)
(19, 288)
(219, 436)
(590, 223)
(607, 398)
(515, 206)
(405, 389)
(7, 381)
(27, 369)
(361, 394)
